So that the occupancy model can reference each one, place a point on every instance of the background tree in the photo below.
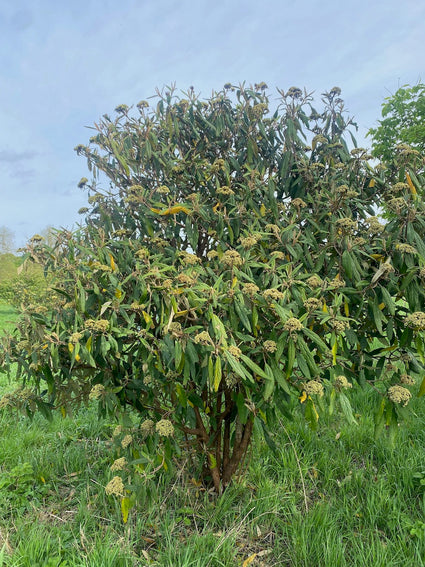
(7, 240)
(403, 122)
(230, 270)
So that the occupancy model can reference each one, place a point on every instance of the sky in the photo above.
(65, 64)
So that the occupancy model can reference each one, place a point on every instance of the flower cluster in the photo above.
(249, 241)
(100, 326)
(251, 289)
(312, 303)
(235, 351)
(97, 392)
(188, 259)
(339, 326)
(337, 283)
(75, 338)
(298, 203)
(147, 427)
(399, 395)
(277, 254)
(225, 190)
(374, 225)
(314, 388)
(119, 464)
(163, 190)
(232, 258)
(164, 428)
(126, 441)
(405, 248)
(346, 224)
(115, 487)
(342, 383)
(270, 346)
(407, 380)
(272, 294)
(293, 325)
(203, 338)
(314, 282)
(416, 320)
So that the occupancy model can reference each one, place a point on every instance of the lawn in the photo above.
(334, 498)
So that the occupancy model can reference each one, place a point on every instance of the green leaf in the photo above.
(346, 408)
(217, 374)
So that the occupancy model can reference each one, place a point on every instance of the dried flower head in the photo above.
(314, 388)
(115, 487)
(399, 395)
(293, 325)
(164, 428)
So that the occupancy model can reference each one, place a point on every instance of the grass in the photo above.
(334, 498)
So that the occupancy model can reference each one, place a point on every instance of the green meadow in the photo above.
(333, 498)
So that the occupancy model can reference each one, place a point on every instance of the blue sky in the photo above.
(64, 64)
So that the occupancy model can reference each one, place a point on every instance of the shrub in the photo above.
(235, 267)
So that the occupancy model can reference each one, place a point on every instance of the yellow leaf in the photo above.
(118, 293)
(381, 306)
(147, 318)
(249, 560)
(303, 397)
(43, 480)
(263, 210)
(126, 506)
(171, 210)
(372, 183)
(217, 206)
(410, 183)
(63, 411)
(334, 351)
(181, 313)
(346, 309)
(77, 357)
(71, 347)
(377, 257)
(217, 374)
(113, 265)
(234, 282)
(325, 308)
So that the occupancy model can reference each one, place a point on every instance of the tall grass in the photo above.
(336, 498)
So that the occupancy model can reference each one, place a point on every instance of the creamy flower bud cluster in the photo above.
(164, 428)
(251, 289)
(235, 351)
(232, 258)
(119, 464)
(100, 326)
(270, 346)
(249, 241)
(314, 282)
(293, 325)
(97, 392)
(273, 294)
(312, 303)
(399, 395)
(75, 338)
(314, 388)
(405, 248)
(115, 487)
(416, 320)
(203, 338)
(342, 383)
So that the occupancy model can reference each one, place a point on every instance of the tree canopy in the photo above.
(234, 267)
(403, 122)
